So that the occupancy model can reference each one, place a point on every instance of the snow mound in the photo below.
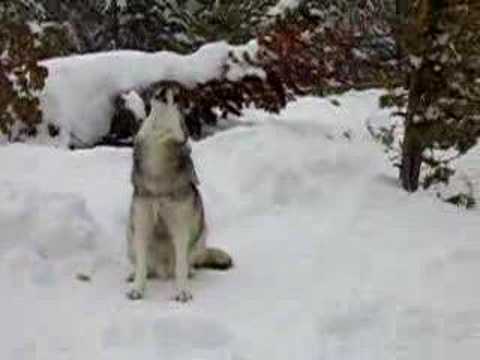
(80, 90)
(54, 226)
(268, 173)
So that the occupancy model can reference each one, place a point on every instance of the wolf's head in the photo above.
(166, 117)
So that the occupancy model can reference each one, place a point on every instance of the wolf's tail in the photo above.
(212, 258)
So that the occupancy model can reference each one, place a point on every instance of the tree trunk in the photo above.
(411, 158)
(401, 12)
(402, 8)
(421, 93)
(113, 25)
(414, 140)
(413, 144)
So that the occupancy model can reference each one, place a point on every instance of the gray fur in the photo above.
(166, 230)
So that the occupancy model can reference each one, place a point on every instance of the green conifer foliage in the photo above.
(443, 111)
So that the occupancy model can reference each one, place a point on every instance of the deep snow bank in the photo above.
(79, 91)
(56, 225)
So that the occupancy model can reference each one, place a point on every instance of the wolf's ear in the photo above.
(168, 94)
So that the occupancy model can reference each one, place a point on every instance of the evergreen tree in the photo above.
(21, 11)
(181, 26)
(81, 20)
(235, 21)
(444, 92)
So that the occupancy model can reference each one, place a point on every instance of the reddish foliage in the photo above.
(290, 69)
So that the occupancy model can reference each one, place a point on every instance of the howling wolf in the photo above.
(166, 231)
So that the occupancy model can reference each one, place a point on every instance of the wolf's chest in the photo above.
(156, 156)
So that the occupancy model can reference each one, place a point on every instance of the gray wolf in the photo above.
(166, 233)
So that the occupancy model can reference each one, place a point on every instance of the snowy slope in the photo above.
(333, 260)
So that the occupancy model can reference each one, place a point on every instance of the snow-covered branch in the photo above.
(80, 90)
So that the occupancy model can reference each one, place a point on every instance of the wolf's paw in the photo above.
(183, 296)
(135, 294)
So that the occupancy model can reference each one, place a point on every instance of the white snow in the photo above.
(282, 6)
(135, 104)
(79, 90)
(333, 260)
(120, 3)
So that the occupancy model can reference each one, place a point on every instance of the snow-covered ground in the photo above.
(333, 260)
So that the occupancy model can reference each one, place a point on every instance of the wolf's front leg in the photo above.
(142, 232)
(180, 242)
